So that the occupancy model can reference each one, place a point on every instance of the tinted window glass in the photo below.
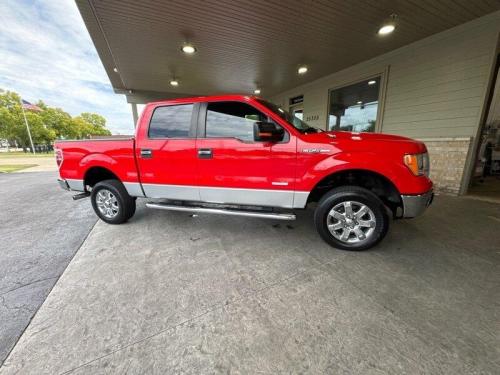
(232, 119)
(171, 122)
(295, 121)
(354, 107)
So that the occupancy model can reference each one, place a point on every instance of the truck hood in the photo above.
(361, 140)
(328, 136)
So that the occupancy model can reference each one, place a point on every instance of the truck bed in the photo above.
(82, 155)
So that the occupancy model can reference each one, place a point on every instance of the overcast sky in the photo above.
(46, 53)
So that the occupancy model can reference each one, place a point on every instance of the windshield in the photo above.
(297, 123)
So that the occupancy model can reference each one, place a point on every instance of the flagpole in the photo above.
(27, 127)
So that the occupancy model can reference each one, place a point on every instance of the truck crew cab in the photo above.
(241, 155)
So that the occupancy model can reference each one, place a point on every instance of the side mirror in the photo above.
(267, 132)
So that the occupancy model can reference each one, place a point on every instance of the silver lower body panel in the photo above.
(63, 184)
(258, 197)
(238, 196)
(175, 192)
(133, 189)
(70, 184)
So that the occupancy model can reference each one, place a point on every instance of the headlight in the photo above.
(418, 164)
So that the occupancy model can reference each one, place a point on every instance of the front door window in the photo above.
(232, 120)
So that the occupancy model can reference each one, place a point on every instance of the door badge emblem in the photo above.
(315, 150)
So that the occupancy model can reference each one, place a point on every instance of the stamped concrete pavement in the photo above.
(173, 293)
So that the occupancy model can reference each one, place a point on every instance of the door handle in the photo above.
(205, 153)
(146, 153)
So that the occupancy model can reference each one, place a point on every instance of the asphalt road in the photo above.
(41, 228)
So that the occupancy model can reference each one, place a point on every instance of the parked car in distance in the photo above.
(241, 155)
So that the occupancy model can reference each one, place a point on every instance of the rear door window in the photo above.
(172, 121)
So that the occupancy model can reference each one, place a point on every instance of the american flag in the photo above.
(30, 107)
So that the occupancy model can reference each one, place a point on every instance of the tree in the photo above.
(45, 125)
(9, 113)
(40, 133)
(7, 124)
(97, 123)
(371, 126)
(12, 126)
(58, 121)
(88, 124)
(82, 128)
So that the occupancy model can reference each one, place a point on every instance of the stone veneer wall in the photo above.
(448, 159)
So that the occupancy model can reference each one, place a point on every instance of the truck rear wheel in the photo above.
(111, 202)
(351, 218)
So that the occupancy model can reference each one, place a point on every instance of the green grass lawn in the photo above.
(12, 155)
(7, 168)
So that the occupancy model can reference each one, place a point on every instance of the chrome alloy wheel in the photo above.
(107, 203)
(351, 222)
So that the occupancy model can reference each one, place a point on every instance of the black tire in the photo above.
(125, 204)
(337, 198)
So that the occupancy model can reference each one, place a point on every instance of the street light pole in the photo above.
(27, 127)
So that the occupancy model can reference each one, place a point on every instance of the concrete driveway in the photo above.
(40, 230)
(172, 293)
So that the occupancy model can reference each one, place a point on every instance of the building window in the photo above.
(172, 121)
(299, 113)
(354, 107)
(232, 120)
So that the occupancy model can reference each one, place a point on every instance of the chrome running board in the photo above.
(222, 211)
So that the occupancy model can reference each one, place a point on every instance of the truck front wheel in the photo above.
(111, 202)
(351, 218)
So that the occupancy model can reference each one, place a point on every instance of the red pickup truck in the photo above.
(241, 155)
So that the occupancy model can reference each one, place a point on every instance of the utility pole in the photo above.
(27, 127)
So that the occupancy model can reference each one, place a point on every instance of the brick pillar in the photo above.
(448, 159)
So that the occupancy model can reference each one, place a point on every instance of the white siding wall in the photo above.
(435, 87)
(494, 112)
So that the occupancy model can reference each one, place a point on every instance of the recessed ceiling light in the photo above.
(174, 82)
(372, 82)
(360, 102)
(256, 91)
(188, 48)
(386, 29)
(302, 70)
(388, 26)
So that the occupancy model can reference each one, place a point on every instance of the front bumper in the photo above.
(415, 205)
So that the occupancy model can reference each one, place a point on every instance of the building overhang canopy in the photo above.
(246, 45)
